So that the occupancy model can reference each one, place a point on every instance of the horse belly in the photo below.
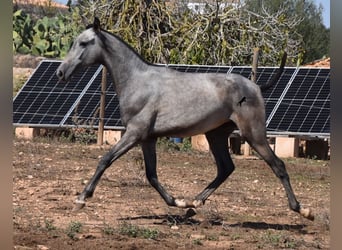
(190, 122)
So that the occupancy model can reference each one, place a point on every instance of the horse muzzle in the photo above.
(63, 73)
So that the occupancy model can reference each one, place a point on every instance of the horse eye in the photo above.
(83, 44)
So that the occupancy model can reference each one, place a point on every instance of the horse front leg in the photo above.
(128, 140)
(218, 142)
(150, 158)
(149, 151)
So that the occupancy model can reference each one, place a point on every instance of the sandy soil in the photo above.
(249, 211)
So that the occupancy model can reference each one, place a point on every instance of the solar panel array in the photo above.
(43, 102)
(298, 104)
(304, 108)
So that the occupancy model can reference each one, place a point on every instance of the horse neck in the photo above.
(121, 61)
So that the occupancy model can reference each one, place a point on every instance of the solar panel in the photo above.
(43, 102)
(200, 68)
(305, 107)
(299, 103)
(245, 71)
(86, 112)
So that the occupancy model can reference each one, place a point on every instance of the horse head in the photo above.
(85, 51)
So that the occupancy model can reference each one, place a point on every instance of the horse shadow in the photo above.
(300, 228)
(172, 219)
(167, 219)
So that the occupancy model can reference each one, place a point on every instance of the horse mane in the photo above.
(104, 40)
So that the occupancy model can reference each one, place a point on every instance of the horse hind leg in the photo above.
(219, 147)
(218, 142)
(256, 137)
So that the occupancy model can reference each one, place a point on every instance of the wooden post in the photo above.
(102, 106)
(247, 148)
(255, 64)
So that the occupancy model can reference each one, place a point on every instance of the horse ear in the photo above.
(96, 24)
(84, 21)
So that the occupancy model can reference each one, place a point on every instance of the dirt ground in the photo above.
(249, 211)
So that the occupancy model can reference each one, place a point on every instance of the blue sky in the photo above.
(326, 11)
(325, 4)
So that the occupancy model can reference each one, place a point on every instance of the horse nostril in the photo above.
(60, 74)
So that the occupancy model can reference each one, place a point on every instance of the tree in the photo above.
(172, 33)
(218, 34)
(315, 36)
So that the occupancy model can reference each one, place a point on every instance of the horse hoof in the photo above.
(78, 205)
(306, 213)
(197, 203)
(181, 203)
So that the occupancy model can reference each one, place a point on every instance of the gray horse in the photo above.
(158, 101)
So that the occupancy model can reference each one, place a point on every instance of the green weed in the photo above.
(49, 225)
(278, 240)
(108, 230)
(138, 232)
(73, 228)
(197, 242)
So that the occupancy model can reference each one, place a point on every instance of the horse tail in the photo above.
(276, 77)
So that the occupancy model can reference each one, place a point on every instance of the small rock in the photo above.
(89, 236)
(197, 236)
(174, 227)
(42, 247)
(22, 248)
